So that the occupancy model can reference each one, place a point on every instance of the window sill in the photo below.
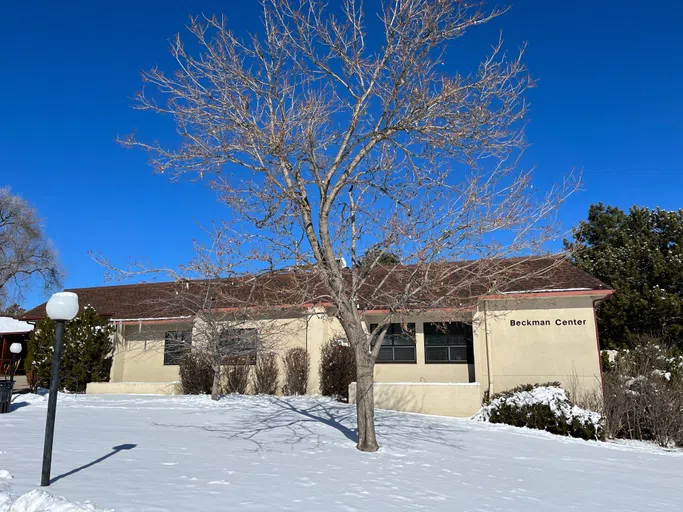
(447, 362)
(395, 362)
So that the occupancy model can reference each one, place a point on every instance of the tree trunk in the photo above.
(216, 387)
(365, 401)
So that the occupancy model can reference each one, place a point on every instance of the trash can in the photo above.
(5, 395)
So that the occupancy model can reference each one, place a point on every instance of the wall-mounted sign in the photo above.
(558, 321)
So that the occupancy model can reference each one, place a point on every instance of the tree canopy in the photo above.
(26, 255)
(639, 253)
(338, 127)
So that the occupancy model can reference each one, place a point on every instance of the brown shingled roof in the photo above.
(462, 285)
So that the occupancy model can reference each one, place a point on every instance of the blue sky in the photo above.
(608, 103)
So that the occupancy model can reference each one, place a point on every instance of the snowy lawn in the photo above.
(150, 453)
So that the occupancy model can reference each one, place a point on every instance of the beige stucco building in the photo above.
(434, 362)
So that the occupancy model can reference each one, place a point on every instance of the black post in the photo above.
(11, 370)
(52, 404)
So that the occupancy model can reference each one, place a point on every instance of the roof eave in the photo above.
(550, 293)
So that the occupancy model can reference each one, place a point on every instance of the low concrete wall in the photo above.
(134, 388)
(440, 398)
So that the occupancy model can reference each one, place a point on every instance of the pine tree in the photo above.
(640, 255)
(377, 254)
(87, 354)
(13, 311)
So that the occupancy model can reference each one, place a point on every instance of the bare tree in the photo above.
(25, 253)
(332, 131)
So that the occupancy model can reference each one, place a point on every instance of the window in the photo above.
(449, 342)
(238, 346)
(398, 345)
(176, 345)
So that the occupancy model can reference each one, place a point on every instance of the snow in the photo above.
(181, 453)
(9, 325)
(662, 373)
(182, 317)
(41, 501)
(553, 396)
(545, 290)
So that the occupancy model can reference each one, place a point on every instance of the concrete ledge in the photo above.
(456, 399)
(134, 388)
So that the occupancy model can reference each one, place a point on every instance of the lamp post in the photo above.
(61, 308)
(15, 348)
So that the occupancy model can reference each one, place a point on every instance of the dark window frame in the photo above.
(172, 357)
(250, 356)
(390, 341)
(456, 335)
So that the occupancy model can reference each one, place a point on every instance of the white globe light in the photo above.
(62, 306)
(15, 348)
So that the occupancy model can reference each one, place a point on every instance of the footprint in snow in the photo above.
(306, 482)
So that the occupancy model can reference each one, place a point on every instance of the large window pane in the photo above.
(398, 345)
(386, 355)
(238, 346)
(448, 342)
(404, 339)
(458, 354)
(176, 345)
(436, 354)
(404, 354)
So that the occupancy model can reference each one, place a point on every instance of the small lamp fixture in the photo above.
(62, 306)
(15, 348)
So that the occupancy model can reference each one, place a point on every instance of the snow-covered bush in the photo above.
(337, 368)
(196, 373)
(266, 374)
(544, 407)
(643, 395)
(296, 363)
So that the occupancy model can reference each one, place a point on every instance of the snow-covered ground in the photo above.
(151, 453)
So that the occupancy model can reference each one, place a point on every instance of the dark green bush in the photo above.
(504, 408)
(605, 362)
(87, 355)
(337, 369)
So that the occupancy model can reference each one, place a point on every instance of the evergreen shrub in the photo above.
(87, 353)
(543, 407)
